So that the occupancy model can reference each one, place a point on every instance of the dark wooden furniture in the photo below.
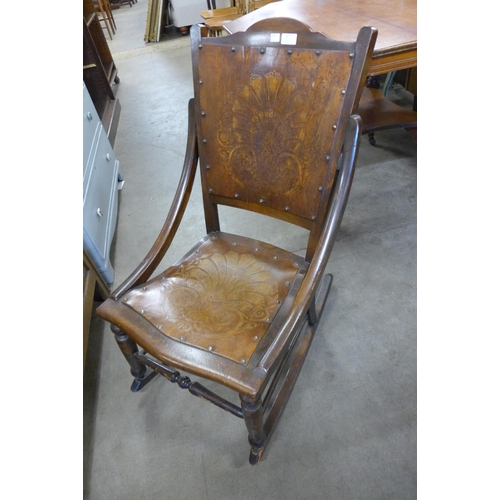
(99, 71)
(380, 113)
(274, 134)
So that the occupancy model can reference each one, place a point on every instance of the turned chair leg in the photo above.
(253, 415)
(138, 370)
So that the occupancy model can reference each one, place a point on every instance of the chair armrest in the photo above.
(144, 270)
(313, 277)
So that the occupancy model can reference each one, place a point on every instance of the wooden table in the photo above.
(396, 21)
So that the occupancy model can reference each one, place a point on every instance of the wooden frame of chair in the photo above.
(274, 133)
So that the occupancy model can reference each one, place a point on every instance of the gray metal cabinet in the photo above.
(101, 173)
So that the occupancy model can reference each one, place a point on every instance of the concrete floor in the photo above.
(350, 428)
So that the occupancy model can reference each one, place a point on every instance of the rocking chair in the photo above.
(272, 127)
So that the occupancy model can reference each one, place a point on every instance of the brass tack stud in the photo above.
(342, 91)
(327, 157)
(160, 327)
(278, 302)
(233, 49)
(200, 82)
(287, 209)
(256, 249)
(318, 52)
(320, 188)
(208, 167)
(243, 361)
(200, 46)
(261, 200)
(296, 264)
(203, 113)
(351, 55)
(334, 127)
(287, 283)
(144, 288)
(262, 50)
(275, 257)
(142, 311)
(210, 190)
(182, 339)
(268, 320)
(125, 299)
(256, 338)
(313, 217)
(210, 348)
(233, 243)
(204, 140)
(236, 195)
(289, 52)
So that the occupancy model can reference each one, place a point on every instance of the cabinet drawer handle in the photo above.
(99, 212)
(89, 116)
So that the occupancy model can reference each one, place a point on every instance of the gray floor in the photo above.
(350, 428)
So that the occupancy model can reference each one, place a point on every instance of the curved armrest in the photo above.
(312, 279)
(175, 214)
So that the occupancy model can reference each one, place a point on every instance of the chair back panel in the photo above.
(269, 119)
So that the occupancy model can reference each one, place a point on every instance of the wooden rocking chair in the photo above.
(272, 128)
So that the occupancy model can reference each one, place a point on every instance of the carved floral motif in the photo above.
(218, 294)
(265, 125)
